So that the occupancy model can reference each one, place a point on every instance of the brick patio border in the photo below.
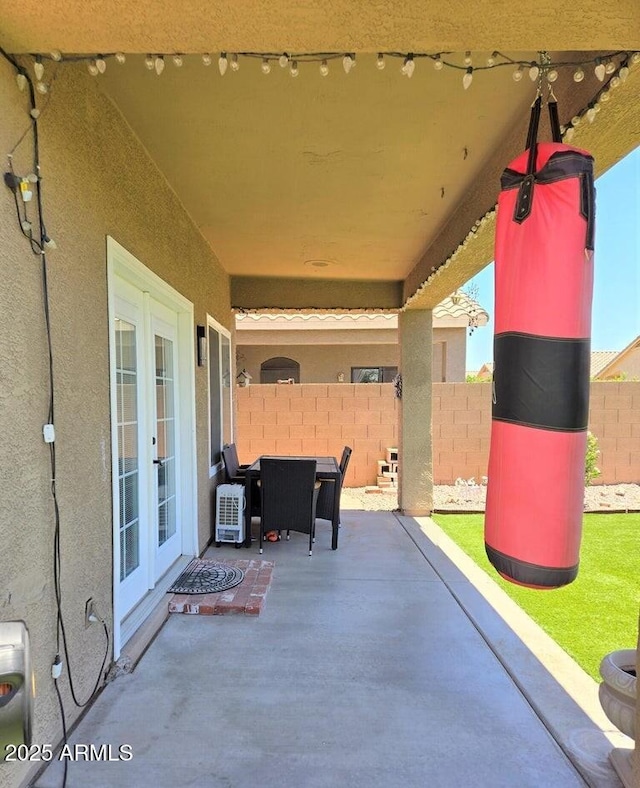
(247, 598)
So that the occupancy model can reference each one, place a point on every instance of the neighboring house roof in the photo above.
(486, 370)
(600, 359)
(615, 360)
(465, 311)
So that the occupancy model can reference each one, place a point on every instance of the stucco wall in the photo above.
(97, 180)
(321, 363)
(276, 419)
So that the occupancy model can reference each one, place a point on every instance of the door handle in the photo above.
(158, 462)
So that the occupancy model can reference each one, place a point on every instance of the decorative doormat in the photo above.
(204, 576)
(245, 599)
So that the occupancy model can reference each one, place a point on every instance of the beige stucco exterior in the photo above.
(98, 180)
(321, 363)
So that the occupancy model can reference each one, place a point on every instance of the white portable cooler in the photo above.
(230, 514)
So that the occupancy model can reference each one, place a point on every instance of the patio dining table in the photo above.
(327, 468)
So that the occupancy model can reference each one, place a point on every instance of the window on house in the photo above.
(220, 392)
(373, 374)
(279, 368)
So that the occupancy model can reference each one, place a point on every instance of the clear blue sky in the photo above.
(616, 293)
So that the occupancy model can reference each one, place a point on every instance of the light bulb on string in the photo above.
(591, 114)
(578, 75)
(121, 58)
(101, 64)
(604, 97)
(266, 66)
(42, 87)
(206, 59)
(635, 58)
(438, 64)
(491, 60)
(294, 68)
(159, 64)
(615, 82)
(467, 58)
(49, 243)
(283, 60)
(575, 120)
(324, 68)
(92, 68)
(467, 79)
(223, 63)
(26, 226)
(552, 75)
(177, 60)
(148, 61)
(518, 74)
(38, 67)
(569, 133)
(409, 66)
(609, 67)
(534, 72)
(623, 73)
(380, 61)
(600, 70)
(35, 113)
(235, 65)
(21, 81)
(347, 63)
(56, 55)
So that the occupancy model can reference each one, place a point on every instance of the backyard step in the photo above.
(246, 599)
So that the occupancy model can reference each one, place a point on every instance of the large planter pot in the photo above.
(619, 690)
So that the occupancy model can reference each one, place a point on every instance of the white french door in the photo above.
(165, 441)
(153, 441)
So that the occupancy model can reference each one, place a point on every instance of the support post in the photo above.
(415, 471)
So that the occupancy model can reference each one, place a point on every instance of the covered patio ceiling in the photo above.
(368, 176)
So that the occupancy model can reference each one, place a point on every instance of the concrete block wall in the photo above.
(461, 422)
(614, 418)
(322, 419)
(319, 419)
(462, 429)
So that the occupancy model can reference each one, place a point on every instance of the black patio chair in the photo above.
(234, 471)
(325, 498)
(289, 494)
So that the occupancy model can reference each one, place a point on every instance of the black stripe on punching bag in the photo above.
(541, 381)
(531, 574)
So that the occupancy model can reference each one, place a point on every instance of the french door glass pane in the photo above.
(215, 398)
(127, 428)
(165, 439)
(225, 392)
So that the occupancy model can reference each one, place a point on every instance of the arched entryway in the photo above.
(279, 368)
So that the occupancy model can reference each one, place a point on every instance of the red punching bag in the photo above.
(542, 348)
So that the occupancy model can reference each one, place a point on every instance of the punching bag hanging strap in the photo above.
(525, 192)
(554, 121)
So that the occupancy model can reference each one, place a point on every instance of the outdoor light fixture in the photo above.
(455, 298)
(201, 335)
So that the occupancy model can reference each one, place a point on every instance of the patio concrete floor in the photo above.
(376, 665)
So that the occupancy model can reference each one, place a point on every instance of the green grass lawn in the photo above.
(595, 614)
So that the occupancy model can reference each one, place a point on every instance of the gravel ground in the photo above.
(602, 498)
